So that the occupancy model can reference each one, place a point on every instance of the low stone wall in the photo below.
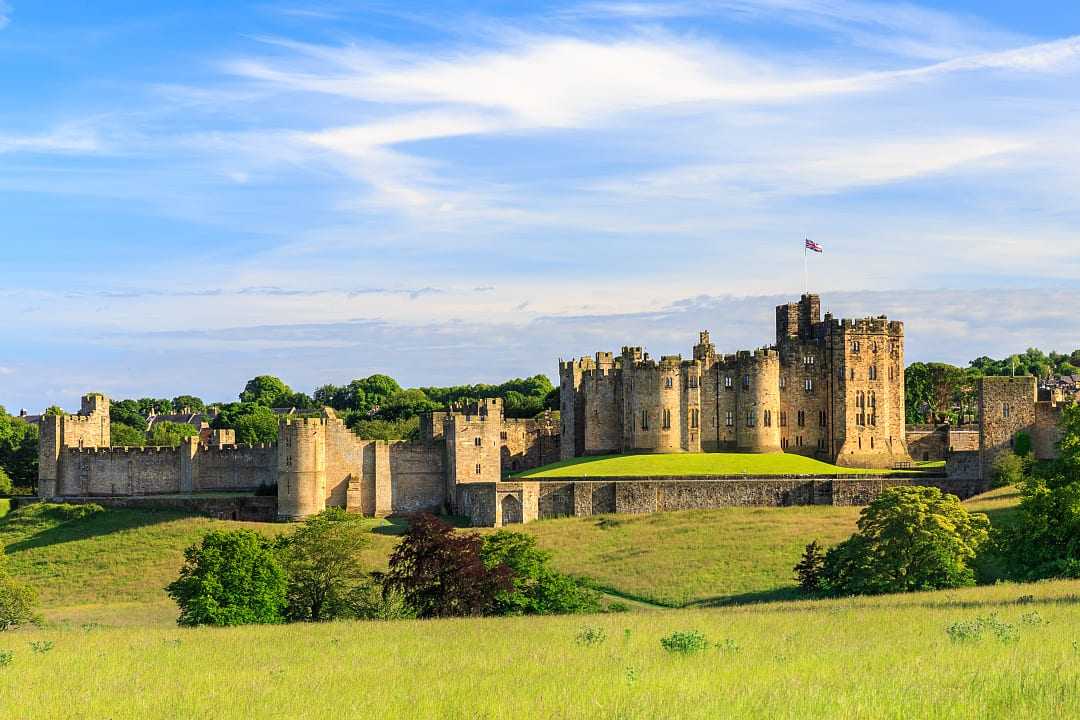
(249, 508)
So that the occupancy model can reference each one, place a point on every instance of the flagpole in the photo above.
(805, 275)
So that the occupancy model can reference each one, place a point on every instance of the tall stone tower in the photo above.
(88, 429)
(301, 464)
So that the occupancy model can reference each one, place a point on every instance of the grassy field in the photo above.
(5, 506)
(689, 464)
(889, 657)
(111, 568)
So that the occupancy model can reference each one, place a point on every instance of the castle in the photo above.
(831, 389)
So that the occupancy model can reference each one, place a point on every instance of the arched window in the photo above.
(873, 372)
(766, 418)
(854, 346)
(727, 381)
(667, 383)
(667, 419)
(808, 384)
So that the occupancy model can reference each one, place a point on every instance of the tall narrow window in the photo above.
(1005, 410)
(729, 419)
(667, 419)
(801, 418)
(727, 381)
(873, 372)
(766, 418)
(644, 419)
(667, 383)
(694, 418)
(692, 382)
(873, 408)
(478, 442)
(822, 418)
(854, 346)
(746, 381)
(477, 468)
(783, 382)
(751, 417)
(783, 419)
(808, 384)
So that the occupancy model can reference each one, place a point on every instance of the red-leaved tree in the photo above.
(440, 573)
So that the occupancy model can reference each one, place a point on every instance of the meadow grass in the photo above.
(5, 506)
(690, 464)
(884, 657)
(113, 566)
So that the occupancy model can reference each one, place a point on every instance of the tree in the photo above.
(387, 430)
(188, 403)
(1008, 469)
(18, 449)
(17, 600)
(54, 410)
(252, 423)
(809, 569)
(230, 578)
(1069, 444)
(268, 391)
(170, 434)
(6, 486)
(405, 404)
(537, 589)
(323, 563)
(442, 574)
(909, 538)
(123, 435)
(368, 395)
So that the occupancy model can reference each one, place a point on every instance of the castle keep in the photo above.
(828, 388)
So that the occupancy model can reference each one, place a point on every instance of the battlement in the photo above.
(764, 353)
(880, 325)
(126, 450)
(671, 362)
(581, 364)
(304, 422)
(236, 447)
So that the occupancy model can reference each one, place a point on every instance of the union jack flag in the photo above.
(813, 246)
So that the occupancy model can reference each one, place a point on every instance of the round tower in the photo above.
(301, 460)
(758, 418)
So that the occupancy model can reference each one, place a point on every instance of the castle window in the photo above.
(502, 436)
(727, 381)
(783, 419)
(644, 419)
(729, 419)
(767, 418)
(798, 441)
(694, 418)
(783, 382)
(808, 384)
(852, 373)
(692, 382)
(478, 442)
(667, 419)
(873, 409)
(854, 346)
(873, 372)
(822, 418)
(892, 373)
(873, 347)
(784, 443)
(871, 442)
(746, 381)
(821, 444)
(751, 417)
(840, 372)
(1005, 410)
(667, 383)
(801, 418)
(477, 468)
(808, 360)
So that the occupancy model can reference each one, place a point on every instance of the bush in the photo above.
(442, 574)
(230, 578)
(6, 486)
(810, 567)
(322, 562)
(1041, 540)
(537, 588)
(1009, 469)
(909, 538)
(1022, 444)
(685, 643)
(371, 600)
(16, 601)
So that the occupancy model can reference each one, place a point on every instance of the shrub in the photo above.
(1022, 444)
(590, 636)
(322, 562)
(1041, 540)
(909, 538)
(442, 574)
(6, 658)
(1009, 469)
(16, 601)
(972, 630)
(809, 568)
(537, 588)
(685, 643)
(371, 600)
(230, 578)
(6, 486)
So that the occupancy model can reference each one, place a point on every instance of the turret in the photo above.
(301, 467)
(758, 416)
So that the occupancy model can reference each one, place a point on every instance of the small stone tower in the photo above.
(301, 466)
(758, 417)
(89, 429)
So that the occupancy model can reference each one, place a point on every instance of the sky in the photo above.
(195, 193)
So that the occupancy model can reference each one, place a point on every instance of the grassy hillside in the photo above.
(689, 464)
(112, 567)
(5, 506)
(888, 657)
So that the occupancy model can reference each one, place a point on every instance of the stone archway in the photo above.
(511, 510)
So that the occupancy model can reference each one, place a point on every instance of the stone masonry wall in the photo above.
(119, 471)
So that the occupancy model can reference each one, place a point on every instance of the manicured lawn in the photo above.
(689, 464)
(883, 657)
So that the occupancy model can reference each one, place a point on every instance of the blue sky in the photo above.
(195, 193)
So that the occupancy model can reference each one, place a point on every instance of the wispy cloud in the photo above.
(5, 14)
(68, 139)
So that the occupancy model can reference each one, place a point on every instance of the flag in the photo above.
(813, 246)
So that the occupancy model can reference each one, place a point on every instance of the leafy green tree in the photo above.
(170, 434)
(441, 573)
(1009, 469)
(811, 566)
(230, 578)
(537, 589)
(18, 449)
(369, 394)
(189, 403)
(54, 410)
(17, 600)
(388, 430)
(252, 423)
(6, 486)
(1022, 444)
(909, 538)
(123, 435)
(405, 404)
(322, 559)
(1069, 445)
(268, 391)
(371, 600)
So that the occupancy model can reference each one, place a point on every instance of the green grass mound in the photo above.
(689, 464)
(992, 652)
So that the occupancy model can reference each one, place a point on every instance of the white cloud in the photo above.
(68, 139)
(5, 14)
(6, 370)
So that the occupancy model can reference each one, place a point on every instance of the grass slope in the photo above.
(5, 506)
(690, 464)
(887, 657)
(112, 567)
